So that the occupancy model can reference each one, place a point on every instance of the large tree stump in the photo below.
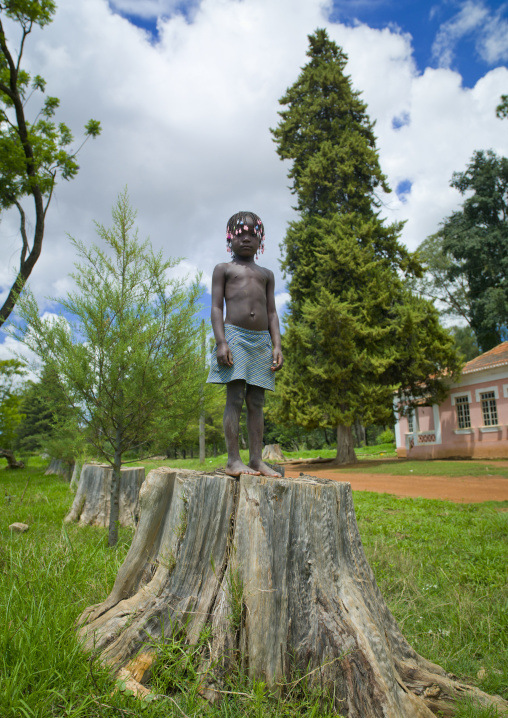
(92, 501)
(278, 568)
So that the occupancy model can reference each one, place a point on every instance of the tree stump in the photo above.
(273, 452)
(277, 567)
(91, 503)
(76, 473)
(60, 467)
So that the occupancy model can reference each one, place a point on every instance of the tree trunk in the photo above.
(277, 568)
(345, 446)
(12, 462)
(60, 467)
(360, 432)
(92, 501)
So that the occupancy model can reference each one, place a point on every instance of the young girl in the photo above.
(243, 357)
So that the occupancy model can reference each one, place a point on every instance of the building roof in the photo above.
(491, 359)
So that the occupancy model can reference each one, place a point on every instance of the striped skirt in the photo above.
(252, 358)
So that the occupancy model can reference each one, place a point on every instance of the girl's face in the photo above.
(246, 242)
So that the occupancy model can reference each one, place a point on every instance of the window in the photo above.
(462, 408)
(410, 423)
(489, 408)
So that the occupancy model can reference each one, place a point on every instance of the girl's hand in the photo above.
(224, 356)
(278, 360)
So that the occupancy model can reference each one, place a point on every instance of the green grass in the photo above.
(440, 566)
(366, 452)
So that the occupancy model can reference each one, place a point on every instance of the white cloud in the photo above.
(493, 41)
(149, 9)
(185, 125)
(489, 29)
(281, 299)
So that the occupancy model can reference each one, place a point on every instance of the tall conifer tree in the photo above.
(354, 333)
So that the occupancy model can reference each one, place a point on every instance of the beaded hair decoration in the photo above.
(238, 224)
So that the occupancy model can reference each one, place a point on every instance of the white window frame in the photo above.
(462, 393)
(486, 389)
(505, 391)
(491, 390)
(468, 404)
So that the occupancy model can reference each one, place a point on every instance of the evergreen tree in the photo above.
(354, 333)
(46, 411)
(128, 357)
(11, 370)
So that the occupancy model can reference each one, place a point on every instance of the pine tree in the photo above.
(128, 353)
(48, 418)
(354, 333)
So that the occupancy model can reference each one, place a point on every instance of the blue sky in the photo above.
(186, 94)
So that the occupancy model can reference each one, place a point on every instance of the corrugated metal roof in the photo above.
(498, 356)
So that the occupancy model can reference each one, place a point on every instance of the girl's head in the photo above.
(239, 223)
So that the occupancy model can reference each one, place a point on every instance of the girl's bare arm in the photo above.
(224, 355)
(273, 322)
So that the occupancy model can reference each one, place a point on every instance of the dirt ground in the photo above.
(460, 489)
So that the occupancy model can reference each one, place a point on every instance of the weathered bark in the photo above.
(273, 452)
(60, 467)
(345, 446)
(278, 569)
(12, 462)
(92, 501)
(76, 473)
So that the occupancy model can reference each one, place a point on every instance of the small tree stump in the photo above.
(277, 568)
(91, 503)
(60, 467)
(273, 452)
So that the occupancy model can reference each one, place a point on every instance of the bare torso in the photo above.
(245, 294)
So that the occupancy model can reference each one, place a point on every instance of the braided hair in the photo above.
(238, 223)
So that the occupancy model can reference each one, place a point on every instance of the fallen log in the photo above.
(12, 462)
(277, 567)
(92, 501)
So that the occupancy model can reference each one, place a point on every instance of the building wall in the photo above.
(436, 432)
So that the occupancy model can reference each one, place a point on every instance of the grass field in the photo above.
(370, 453)
(441, 567)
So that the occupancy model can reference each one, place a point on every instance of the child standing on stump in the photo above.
(243, 357)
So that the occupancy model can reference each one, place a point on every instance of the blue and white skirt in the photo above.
(252, 358)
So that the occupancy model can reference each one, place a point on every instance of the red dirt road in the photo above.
(460, 489)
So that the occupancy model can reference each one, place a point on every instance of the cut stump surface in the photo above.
(277, 567)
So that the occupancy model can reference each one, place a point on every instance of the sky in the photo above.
(186, 91)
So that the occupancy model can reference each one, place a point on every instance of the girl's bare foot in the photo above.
(237, 467)
(264, 469)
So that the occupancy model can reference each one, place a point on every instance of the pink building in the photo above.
(471, 423)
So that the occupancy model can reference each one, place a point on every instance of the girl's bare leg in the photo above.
(231, 422)
(255, 400)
